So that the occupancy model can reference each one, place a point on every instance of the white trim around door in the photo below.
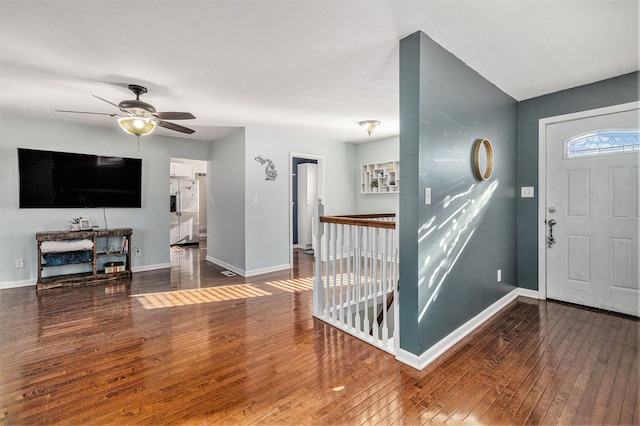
(320, 160)
(542, 176)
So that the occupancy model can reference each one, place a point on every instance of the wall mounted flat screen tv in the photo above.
(51, 179)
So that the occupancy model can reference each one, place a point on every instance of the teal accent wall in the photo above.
(451, 249)
(614, 91)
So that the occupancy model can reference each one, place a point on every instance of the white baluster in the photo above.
(318, 284)
(357, 274)
(375, 280)
(334, 259)
(327, 264)
(367, 280)
(349, 275)
(341, 274)
(385, 285)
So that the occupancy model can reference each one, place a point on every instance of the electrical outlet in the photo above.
(137, 251)
(19, 263)
(499, 275)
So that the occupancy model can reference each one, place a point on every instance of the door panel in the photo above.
(578, 184)
(594, 202)
(622, 263)
(578, 257)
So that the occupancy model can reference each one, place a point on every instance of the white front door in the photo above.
(592, 195)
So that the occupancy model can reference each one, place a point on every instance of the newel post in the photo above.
(318, 284)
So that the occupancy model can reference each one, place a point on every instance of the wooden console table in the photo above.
(91, 267)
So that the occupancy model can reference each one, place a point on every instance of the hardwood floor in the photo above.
(98, 355)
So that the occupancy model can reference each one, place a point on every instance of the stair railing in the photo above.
(356, 275)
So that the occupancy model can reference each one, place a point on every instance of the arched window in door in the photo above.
(602, 143)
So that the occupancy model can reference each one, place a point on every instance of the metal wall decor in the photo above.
(270, 169)
(485, 145)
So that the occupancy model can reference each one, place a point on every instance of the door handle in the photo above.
(550, 240)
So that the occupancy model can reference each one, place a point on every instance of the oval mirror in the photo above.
(483, 159)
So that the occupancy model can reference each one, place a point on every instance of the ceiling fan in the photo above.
(140, 118)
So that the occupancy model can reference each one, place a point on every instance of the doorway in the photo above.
(590, 207)
(306, 163)
(187, 201)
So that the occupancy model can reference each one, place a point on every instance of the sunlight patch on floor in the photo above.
(171, 299)
(292, 286)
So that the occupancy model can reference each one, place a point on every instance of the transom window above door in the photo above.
(602, 143)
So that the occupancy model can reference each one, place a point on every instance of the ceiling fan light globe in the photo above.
(138, 126)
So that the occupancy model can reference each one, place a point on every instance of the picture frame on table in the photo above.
(85, 224)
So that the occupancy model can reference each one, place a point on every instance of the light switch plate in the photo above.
(427, 196)
(526, 192)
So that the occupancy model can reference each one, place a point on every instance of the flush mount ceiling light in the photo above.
(138, 126)
(369, 125)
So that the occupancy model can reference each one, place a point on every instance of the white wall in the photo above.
(378, 151)
(226, 210)
(268, 242)
(254, 238)
(150, 223)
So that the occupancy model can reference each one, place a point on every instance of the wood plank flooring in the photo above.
(96, 355)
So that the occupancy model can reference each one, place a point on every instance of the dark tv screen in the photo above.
(51, 179)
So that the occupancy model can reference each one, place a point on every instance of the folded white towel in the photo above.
(65, 245)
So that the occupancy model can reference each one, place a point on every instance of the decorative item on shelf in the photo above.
(374, 185)
(85, 224)
(111, 267)
(484, 161)
(392, 183)
(75, 223)
(270, 169)
(95, 227)
(369, 125)
(125, 245)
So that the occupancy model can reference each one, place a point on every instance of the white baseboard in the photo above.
(225, 265)
(276, 268)
(15, 284)
(421, 361)
(525, 292)
(27, 283)
(250, 272)
(144, 268)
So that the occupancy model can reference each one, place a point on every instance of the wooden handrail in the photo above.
(368, 220)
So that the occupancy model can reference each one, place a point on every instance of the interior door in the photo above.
(592, 214)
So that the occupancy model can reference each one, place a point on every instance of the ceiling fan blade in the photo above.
(174, 115)
(176, 127)
(115, 105)
(86, 112)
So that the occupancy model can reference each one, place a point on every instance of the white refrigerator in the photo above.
(183, 210)
(307, 197)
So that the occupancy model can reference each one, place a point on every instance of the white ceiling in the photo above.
(315, 67)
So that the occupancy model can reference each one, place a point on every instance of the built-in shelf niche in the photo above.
(380, 178)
